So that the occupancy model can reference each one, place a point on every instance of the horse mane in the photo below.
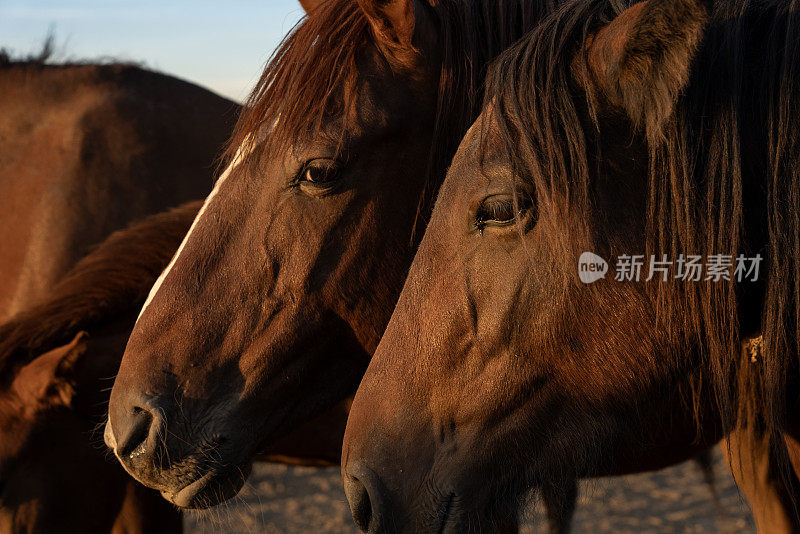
(314, 72)
(40, 58)
(700, 167)
(110, 282)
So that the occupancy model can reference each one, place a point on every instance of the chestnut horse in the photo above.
(51, 405)
(86, 149)
(662, 130)
(271, 309)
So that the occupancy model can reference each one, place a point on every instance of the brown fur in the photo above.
(643, 71)
(84, 150)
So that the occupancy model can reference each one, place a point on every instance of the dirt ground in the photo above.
(288, 500)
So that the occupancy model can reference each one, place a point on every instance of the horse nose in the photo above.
(132, 429)
(360, 505)
(363, 491)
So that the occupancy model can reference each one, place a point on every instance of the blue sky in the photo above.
(222, 45)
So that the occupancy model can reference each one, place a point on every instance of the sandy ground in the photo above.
(287, 500)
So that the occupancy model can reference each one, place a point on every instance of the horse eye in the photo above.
(320, 174)
(501, 210)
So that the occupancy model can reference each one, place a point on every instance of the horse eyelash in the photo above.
(497, 208)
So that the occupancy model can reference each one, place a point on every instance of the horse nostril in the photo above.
(135, 432)
(360, 505)
(365, 494)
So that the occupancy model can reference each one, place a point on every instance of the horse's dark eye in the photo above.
(319, 177)
(320, 174)
(501, 210)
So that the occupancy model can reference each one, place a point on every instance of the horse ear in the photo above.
(51, 377)
(641, 60)
(392, 20)
(310, 5)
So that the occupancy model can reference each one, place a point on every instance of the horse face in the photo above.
(500, 369)
(44, 439)
(275, 301)
(494, 360)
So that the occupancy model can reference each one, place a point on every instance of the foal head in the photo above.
(273, 305)
(44, 438)
(500, 369)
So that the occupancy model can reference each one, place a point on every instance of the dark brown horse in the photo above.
(278, 296)
(86, 149)
(53, 469)
(655, 130)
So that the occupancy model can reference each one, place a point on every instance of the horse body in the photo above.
(86, 149)
(648, 130)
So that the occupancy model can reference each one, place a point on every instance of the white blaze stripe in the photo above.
(217, 186)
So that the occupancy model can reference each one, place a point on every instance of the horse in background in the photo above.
(665, 130)
(86, 149)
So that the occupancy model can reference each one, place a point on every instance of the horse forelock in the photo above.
(309, 72)
(545, 122)
(315, 73)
